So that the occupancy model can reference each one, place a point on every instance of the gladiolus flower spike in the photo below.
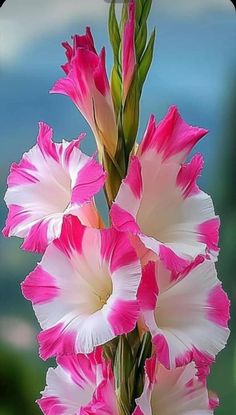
(134, 313)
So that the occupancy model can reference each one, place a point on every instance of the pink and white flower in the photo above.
(84, 291)
(160, 201)
(80, 384)
(128, 49)
(104, 400)
(187, 316)
(173, 392)
(86, 83)
(50, 181)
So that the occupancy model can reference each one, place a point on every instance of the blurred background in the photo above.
(194, 67)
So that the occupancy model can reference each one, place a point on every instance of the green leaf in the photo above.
(145, 349)
(147, 4)
(134, 339)
(146, 60)
(139, 9)
(114, 32)
(123, 360)
(144, 353)
(131, 385)
(116, 89)
(123, 366)
(109, 349)
(131, 114)
(140, 41)
(114, 176)
(124, 16)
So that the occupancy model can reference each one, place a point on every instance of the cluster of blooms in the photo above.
(153, 270)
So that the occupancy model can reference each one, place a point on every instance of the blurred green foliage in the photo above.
(223, 377)
(22, 378)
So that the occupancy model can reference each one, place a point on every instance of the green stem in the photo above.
(128, 367)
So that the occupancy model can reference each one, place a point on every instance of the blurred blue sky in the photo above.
(194, 64)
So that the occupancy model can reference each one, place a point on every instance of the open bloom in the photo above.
(128, 49)
(80, 384)
(84, 291)
(50, 181)
(173, 392)
(87, 85)
(187, 316)
(159, 199)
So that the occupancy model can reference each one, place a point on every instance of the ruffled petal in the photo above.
(173, 392)
(50, 181)
(172, 137)
(84, 41)
(160, 201)
(86, 84)
(93, 278)
(70, 386)
(104, 400)
(190, 318)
